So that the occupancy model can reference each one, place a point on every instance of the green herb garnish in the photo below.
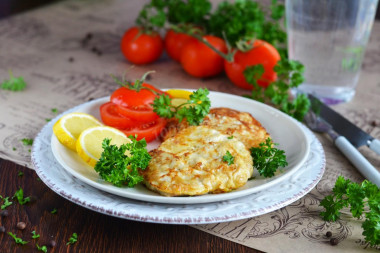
(34, 235)
(54, 211)
(228, 158)
(42, 248)
(116, 167)
(14, 83)
(54, 110)
(19, 195)
(27, 142)
(290, 75)
(6, 203)
(361, 198)
(267, 159)
(17, 240)
(20, 173)
(194, 110)
(73, 239)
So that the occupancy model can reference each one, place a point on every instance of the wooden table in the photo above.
(96, 232)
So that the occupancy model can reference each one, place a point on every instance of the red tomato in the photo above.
(111, 117)
(136, 105)
(141, 48)
(174, 43)
(261, 53)
(199, 60)
(150, 131)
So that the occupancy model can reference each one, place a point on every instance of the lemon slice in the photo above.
(179, 93)
(89, 143)
(68, 127)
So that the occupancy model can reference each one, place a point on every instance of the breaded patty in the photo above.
(191, 163)
(231, 122)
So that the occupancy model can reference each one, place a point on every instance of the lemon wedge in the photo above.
(179, 93)
(89, 143)
(68, 128)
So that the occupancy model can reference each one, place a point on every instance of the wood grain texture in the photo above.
(96, 232)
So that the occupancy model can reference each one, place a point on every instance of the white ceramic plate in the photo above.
(279, 195)
(283, 129)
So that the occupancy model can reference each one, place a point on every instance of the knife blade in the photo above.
(344, 127)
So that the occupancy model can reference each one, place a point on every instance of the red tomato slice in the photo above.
(142, 114)
(111, 117)
(150, 131)
(136, 105)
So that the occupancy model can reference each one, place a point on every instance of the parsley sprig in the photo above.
(6, 202)
(73, 239)
(360, 198)
(193, 110)
(290, 75)
(19, 195)
(120, 169)
(13, 83)
(228, 158)
(17, 239)
(267, 159)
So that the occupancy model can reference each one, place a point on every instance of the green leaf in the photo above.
(42, 248)
(6, 203)
(34, 235)
(73, 239)
(19, 195)
(13, 83)
(116, 167)
(27, 142)
(267, 159)
(228, 158)
(17, 240)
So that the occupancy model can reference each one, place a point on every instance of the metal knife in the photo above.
(343, 127)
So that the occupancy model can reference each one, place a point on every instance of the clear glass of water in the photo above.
(329, 38)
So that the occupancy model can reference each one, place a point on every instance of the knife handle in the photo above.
(375, 146)
(358, 160)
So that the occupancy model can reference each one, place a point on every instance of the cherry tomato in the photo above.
(174, 43)
(136, 105)
(199, 60)
(141, 48)
(261, 53)
(111, 117)
(150, 131)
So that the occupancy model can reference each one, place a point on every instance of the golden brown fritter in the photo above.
(230, 122)
(191, 163)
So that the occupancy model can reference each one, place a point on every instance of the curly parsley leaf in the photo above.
(188, 12)
(27, 142)
(120, 169)
(290, 75)
(42, 248)
(35, 235)
(228, 158)
(17, 240)
(13, 83)
(19, 195)
(194, 110)
(73, 239)
(267, 159)
(152, 16)
(359, 197)
(6, 203)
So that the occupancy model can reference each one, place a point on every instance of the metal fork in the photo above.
(317, 124)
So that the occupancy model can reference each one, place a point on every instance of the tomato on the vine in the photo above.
(174, 42)
(141, 48)
(199, 60)
(261, 53)
(150, 131)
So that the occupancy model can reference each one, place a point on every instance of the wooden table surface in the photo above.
(96, 232)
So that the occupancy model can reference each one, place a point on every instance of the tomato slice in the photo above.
(141, 114)
(111, 117)
(150, 131)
